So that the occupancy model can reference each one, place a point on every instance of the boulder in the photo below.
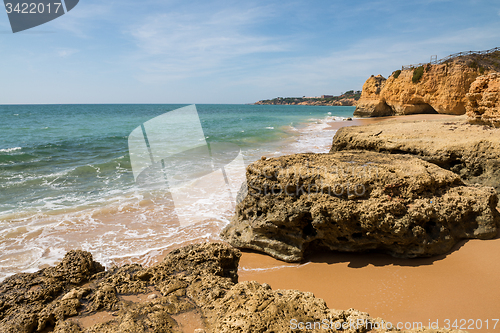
(358, 201)
(483, 100)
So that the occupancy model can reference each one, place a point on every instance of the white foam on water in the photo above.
(315, 137)
(8, 150)
(131, 225)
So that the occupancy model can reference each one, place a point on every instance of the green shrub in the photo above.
(428, 67)
(473, 64)
(396, 73)
(481, 70)
(417, 74)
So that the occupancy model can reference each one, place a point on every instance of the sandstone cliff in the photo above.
(440, 89)
(483, 100)
(370, 103)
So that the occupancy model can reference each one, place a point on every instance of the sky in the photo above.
(218, 52)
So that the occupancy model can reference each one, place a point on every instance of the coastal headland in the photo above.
(349, 98)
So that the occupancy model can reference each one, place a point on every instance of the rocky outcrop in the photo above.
(483, 100)
(194, 289)
(358, 201)
(472, 152)
(370, 104)
(441, 89)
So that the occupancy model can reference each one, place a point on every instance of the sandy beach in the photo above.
(460, 285)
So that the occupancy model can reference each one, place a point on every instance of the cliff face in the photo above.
(483, 100)
(371, 104)
(441, 89)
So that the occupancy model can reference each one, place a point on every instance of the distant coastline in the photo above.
(349, 98)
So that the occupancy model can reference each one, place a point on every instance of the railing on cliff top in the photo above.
(434, 60)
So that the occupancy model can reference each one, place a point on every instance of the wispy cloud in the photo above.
(82, 18)
(190, 44)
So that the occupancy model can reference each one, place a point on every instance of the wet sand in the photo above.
(460, 285)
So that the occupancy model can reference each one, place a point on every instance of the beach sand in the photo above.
(461, 285)
(367, 121)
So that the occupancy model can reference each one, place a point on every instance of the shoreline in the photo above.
(458, 285)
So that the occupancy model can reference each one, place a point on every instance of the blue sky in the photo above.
(172, 51)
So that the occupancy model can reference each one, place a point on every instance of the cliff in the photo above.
(431, 88)
(483, 100)
(370, 103)
(441, 89)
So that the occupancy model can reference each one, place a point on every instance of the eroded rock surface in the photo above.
(358, 201)
(483, 100)
(194, 289)
(470, 151)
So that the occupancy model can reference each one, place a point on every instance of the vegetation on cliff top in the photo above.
(481, 61)
(417, 74)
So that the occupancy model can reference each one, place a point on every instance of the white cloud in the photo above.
(177, 45)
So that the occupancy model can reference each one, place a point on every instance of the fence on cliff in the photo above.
(434, 60)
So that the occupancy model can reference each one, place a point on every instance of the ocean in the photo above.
(67, 182)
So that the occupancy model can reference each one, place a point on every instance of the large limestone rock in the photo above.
(470, 151)
(194, 289)
(370, 104)
(442, 89)
(358, 201)
(483, 100)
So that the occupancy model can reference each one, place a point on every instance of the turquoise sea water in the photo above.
(66, 180)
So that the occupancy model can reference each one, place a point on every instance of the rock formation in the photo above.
(370, 103)
(483, 100)
(358, 201)
(194, 289)
(470, 151)
(441, 89)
